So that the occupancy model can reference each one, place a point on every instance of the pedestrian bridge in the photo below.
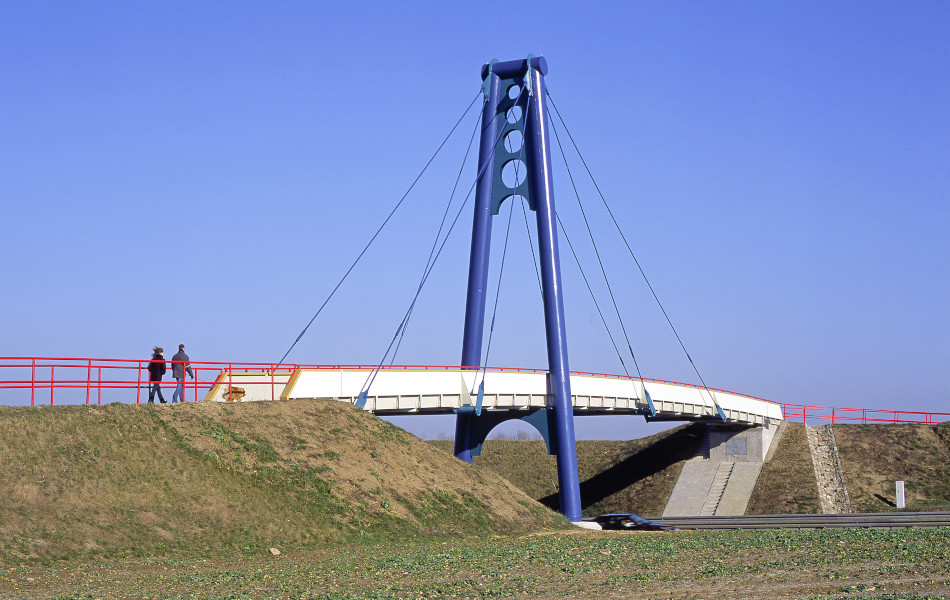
(428, 390)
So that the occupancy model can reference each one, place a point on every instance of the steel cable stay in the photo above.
(491, 329)
(381, 227)
(593, 297)
(504, 253)
(361, 399)
(637, 262)
(534, 256)
(438, 235)
(593, 242)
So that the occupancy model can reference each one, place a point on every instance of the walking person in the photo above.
(156, 369)
(180, 366)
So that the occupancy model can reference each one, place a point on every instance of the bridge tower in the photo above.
(515, 101)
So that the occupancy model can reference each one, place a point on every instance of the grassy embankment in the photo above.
(873, 457)
(639, 475)
(125, 480)
(786, 484)
(628, 476)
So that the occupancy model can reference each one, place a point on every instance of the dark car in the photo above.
(630, 521)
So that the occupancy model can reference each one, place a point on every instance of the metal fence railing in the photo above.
(864, 416)
(37, 381)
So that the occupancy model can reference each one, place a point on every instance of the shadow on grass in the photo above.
(651, 460)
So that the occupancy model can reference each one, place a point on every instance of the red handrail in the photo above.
(120, 380)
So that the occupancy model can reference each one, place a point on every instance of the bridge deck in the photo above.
(445, 391)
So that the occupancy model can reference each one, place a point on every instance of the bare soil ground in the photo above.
(855, 564)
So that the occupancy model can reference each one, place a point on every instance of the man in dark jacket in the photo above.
(156, 369)
(179, 367)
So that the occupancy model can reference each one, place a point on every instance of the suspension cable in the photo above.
(592, 297)
(435, 242)
(593, 242)
(630, 250)
(504, 252)
(385, 222)
(534, 257)
(501, 270)
(481, 172)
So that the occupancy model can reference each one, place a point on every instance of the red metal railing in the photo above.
(864, 416)
(45, 380)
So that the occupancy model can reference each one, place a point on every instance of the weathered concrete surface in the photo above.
(692, 487)
(736, 496)
(719, 480)
(740, 444)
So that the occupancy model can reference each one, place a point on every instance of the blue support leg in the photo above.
(559, 382)
(479, 261)
(557, 421)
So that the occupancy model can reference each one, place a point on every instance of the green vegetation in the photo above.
(855, 563)
(187, 500)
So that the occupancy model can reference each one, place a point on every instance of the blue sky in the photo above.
(205, 173)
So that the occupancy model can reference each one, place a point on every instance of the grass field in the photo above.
(186, 501)
(853, 564)
(786, 484)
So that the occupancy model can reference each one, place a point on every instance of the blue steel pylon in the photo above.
(512, 111)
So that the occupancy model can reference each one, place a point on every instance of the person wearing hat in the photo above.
(180, 366)
(156, 369)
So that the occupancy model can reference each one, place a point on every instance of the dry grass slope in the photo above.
(629, 476)
(873, 457)
(787, 484)
(124, 480)
(639, 475)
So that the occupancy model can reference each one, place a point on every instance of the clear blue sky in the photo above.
(205, 172)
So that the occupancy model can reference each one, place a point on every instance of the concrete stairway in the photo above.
(703, 451)
(716, 490)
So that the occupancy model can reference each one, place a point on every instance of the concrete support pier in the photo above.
(719, 480)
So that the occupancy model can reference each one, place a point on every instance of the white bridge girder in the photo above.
(431, 391)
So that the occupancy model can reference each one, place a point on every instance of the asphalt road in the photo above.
(891, 519)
